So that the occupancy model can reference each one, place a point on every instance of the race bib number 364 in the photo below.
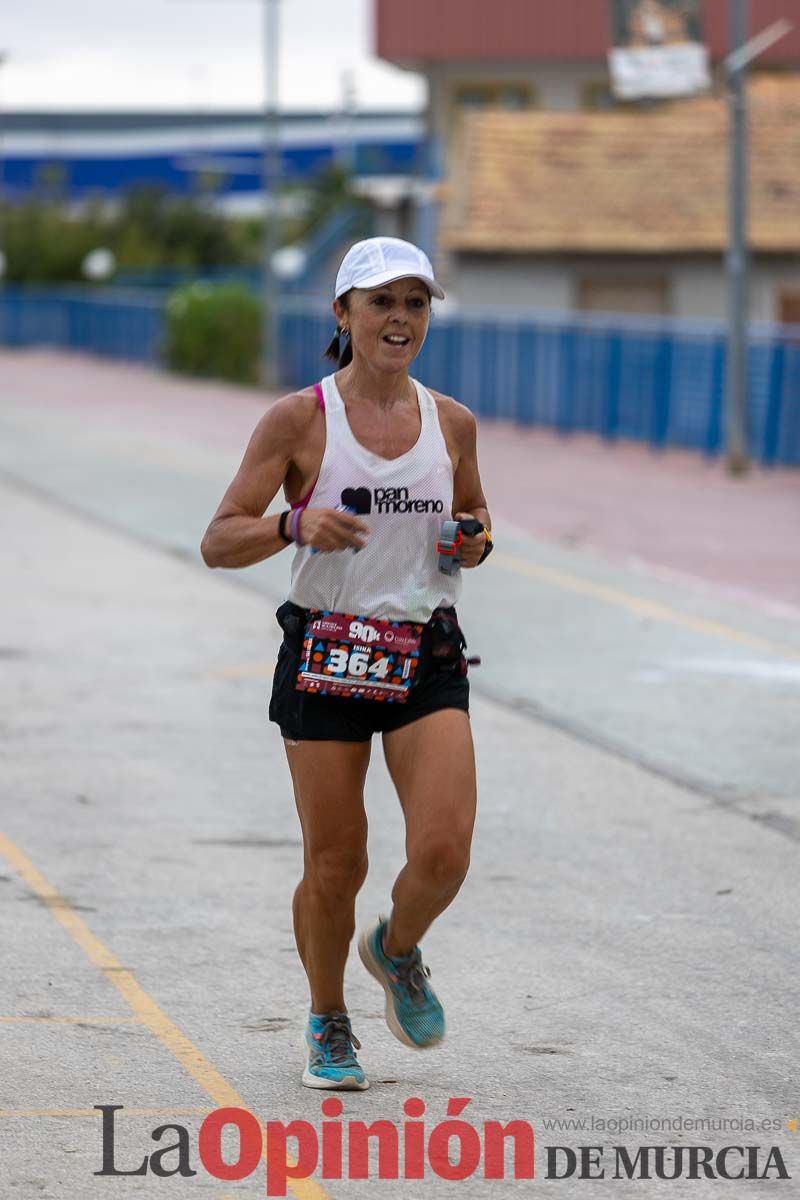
(367, 659)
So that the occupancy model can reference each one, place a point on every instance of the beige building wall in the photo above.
(677, 286)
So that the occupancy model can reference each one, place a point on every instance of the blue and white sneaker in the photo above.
(332, 1062)
(413, 1012)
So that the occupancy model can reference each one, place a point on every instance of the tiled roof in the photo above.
(621, 181)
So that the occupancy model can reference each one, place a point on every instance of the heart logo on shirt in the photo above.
(359, 499)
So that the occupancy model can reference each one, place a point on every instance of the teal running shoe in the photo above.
(332, 1063)
(413, 1012)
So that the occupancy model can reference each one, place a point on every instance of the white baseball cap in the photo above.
(381, 260)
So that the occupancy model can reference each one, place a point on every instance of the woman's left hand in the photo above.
(472, 548)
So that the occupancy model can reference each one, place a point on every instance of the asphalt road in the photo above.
(625, 947)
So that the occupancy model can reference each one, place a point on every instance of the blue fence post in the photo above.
(610, 418)
(772, 419)
(453, 360)
(713, 439)
(567, 347)
(525, 373)
(662, 390)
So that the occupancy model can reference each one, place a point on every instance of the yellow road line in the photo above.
(640, 606)
(142, 1004)
(71, 1020)
(93, 1112)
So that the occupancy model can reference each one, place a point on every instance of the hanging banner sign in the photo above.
(657, 49)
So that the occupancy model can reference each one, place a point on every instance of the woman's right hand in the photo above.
(328, 529)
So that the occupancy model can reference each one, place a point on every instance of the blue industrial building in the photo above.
(87, 155)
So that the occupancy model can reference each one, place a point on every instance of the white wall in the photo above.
(506, 281)
(701, 290)
(695, 289)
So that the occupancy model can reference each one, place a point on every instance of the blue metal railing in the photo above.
(661, 382)
(115, 324)
(651, 380)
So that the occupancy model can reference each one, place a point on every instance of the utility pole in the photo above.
(738, 263)
(346, 149)
(271, 174)
(270, 367)
(3, 263)
(738, 250)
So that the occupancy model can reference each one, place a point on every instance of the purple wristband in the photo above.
(294, 527)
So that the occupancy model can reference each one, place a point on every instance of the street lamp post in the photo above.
(271, 176)
(738, 251)
(3, 264)
(738, 261)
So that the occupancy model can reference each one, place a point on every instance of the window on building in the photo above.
(495, 95)
(644, 295)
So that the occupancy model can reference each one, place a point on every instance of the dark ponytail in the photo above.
(337, 352)
(341, 355)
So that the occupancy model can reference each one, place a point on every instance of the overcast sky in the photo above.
(193, 54)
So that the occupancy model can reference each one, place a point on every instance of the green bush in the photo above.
(45, 241)
(44, 245)
(214, 331)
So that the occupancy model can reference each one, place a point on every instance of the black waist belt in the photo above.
(442, 639)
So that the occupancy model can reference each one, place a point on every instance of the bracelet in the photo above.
(282, 525)
(294, 527)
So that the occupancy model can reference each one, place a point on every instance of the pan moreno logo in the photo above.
(398, 500)
(393, 500)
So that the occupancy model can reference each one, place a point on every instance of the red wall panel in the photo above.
(514, 30)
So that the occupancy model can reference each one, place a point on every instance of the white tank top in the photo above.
(404, 501)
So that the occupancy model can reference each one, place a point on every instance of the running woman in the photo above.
(373, 464)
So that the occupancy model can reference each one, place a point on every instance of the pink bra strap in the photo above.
(304, 502)
(318, 390)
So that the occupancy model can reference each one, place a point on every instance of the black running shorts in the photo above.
(440, 682)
